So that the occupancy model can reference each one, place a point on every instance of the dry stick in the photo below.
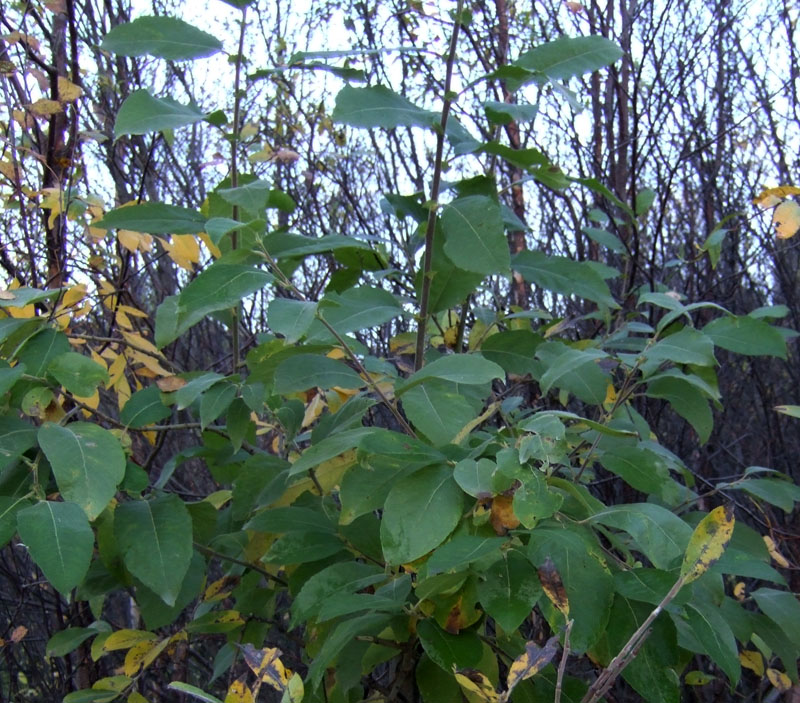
(563, 663)
(626, 654)
(433, 202)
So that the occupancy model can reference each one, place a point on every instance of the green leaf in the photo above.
(461, 551)
(505, 113)
(141, 113)
(155, 539)
(564, 276)
(42, 348)
(513, 350)
(566, 363)
(659, 534)
(343, 634)
(155, 612)
(474, 235)
(185, 687)
(509, 589)
(66, 641)
(450, 652)
(337, 579)
(434, 683)
(604, 238)
(215, 401)
(166, 37)
(714, 635)
(570, 56)
(377, 106)
(587, 381)
(257, 196)
(469, 369)
(355, 309)
(686, 400)
(60, 541)
(303, 547)
(421, 510)
(290, 318)
(88, 463)
(651, 673)
(582, 569)
(154, 218)
(648, 585)
(221, 286)
(640, 468)
(783, 608)
(9, 507)
(79, 374)
(20, 297)
(746, 335)
(778, 492)
(304, 371)
(91, 695)
(475, 477)
(329, 448)
(290, 519)
(688, 346)
(534, 500)
(437, 410)
(16, 438)
(144, 408)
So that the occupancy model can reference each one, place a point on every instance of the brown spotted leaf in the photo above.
(553, 586)
(708, 542)
(531, 661)
(477, 683)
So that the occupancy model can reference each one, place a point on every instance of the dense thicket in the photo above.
(645, 172)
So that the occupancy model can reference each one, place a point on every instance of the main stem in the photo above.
(433, 204)
(236, 311)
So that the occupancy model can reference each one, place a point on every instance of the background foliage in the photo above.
(418, 368)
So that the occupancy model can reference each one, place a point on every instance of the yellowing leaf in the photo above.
(74, 295)
(295, 690)
(779, 559)
(475, 682)
(787, 219)
(266, 664)
(238, 692)
(44, 107)
(125, 639)
(135, 241)
(67, 90)
(708, 542)
(135, 657)
(752, 660)
(183, 249)
(136, 697)
(553, 586)
(698, 678)
(778, 679)
(531, 661)
(769, 197)
(739, 591)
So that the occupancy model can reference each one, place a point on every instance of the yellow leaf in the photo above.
(125, 639)
(708, 542)
(238, 692)
(135, 241)
(779, 559)
(183, 249)
(53, 200)
(74, 295)
(136, 655)
(212, 248)
(553, 586)
(67, 90)
(475, 682)
(116, 370)
(266, 664)
(778, 679)
(769, 197)
(752, 660)
(531, 661)
(170, 383)
(313, 410)
(739, 591)
(221, 588)
(147, 361)
(44, 107)
(787, 219)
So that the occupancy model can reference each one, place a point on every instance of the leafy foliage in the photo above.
(365, 504)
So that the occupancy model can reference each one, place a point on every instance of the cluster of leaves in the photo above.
(439, 544)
